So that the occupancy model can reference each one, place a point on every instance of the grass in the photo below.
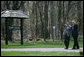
(41, 44)
(38, 53)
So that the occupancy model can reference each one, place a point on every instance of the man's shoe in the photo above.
(77, 48)
(66, 48)
(73, 48)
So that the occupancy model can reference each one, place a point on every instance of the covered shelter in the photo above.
(11, 14)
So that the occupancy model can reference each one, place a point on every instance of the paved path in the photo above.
(41, 49)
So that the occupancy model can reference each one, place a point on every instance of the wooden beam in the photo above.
(21, 21)
(6, 31)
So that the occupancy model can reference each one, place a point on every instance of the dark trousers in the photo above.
(75, 41)
(66, 41)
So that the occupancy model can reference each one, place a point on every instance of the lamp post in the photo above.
(54, 35)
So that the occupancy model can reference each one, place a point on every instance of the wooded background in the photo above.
(43, 15)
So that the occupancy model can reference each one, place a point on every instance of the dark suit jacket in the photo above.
(75, 30)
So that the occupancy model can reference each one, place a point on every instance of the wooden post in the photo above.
(6, 31)
(21, 27)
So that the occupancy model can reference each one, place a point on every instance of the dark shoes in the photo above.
(75, 48)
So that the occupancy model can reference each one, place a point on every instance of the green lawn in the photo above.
(38, 53)
(41, 44)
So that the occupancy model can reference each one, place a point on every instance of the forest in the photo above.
(43, 16)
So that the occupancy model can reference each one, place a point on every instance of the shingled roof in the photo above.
(14, 14)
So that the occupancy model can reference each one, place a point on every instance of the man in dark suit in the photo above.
(75, 34)
(66, 34)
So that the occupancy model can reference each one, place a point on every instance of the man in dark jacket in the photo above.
(66, 34)
(75, 34)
